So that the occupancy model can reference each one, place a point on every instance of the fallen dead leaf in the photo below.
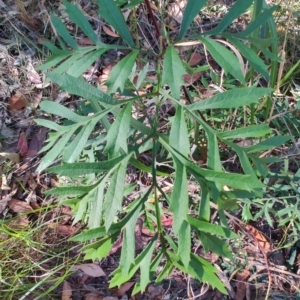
(195, 59)
(34, 205)
(241, 285)
(259, 237)
(41, 137)
(5, 199)
(175, 10)
(19, 206)
(155, 292)
(66, 291)
(190, 79)
(65, 230)
(31, 197)
(91, 269)
(117, 245)
(91, 296)
(4, 185)
(19, 223)
(22, 144)
(35, 101)
(85, 42)
(109, 32)
(16, 101)
(32, 74)
(34, 23)
(123, 288)
(147, 232)
(167, 222)
(14, 157)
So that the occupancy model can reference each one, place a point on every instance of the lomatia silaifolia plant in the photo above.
(96, 149)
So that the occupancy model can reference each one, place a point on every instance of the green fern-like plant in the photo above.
(96, 153)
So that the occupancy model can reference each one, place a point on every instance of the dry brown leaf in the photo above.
(14, 157)
(195, 59)
(85, 42)
(36, 143)
(147, 232)
(175, 10)
(32, 74)
(109, 32)
(34, 23)
(66, 210)
(126, 13)
(22, 144)
(16, 101)
(190, 79)
(19, 223)
(66, 291)
(34, 205)
(259, 237)
(137, 296)
(34, 147)
(91, 296)
(116, 246)
(124, 288)
(166, 222)
(19, 206)
(5, 199)
(155, 292)
(36, 99)
(241, 285)
(91, 269)
(65, 230)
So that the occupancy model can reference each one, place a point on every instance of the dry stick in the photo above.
(155, 23)
(266, 260)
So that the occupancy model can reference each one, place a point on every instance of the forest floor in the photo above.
(36, 259)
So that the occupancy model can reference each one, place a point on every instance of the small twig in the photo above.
(154, 23)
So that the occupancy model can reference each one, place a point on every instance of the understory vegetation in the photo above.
(163, 144)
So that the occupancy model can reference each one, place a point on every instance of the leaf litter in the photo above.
(28, 143)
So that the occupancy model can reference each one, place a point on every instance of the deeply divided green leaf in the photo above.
(112, 14)
(173, 71)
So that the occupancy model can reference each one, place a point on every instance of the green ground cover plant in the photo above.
(34, 263)
(95, 149)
